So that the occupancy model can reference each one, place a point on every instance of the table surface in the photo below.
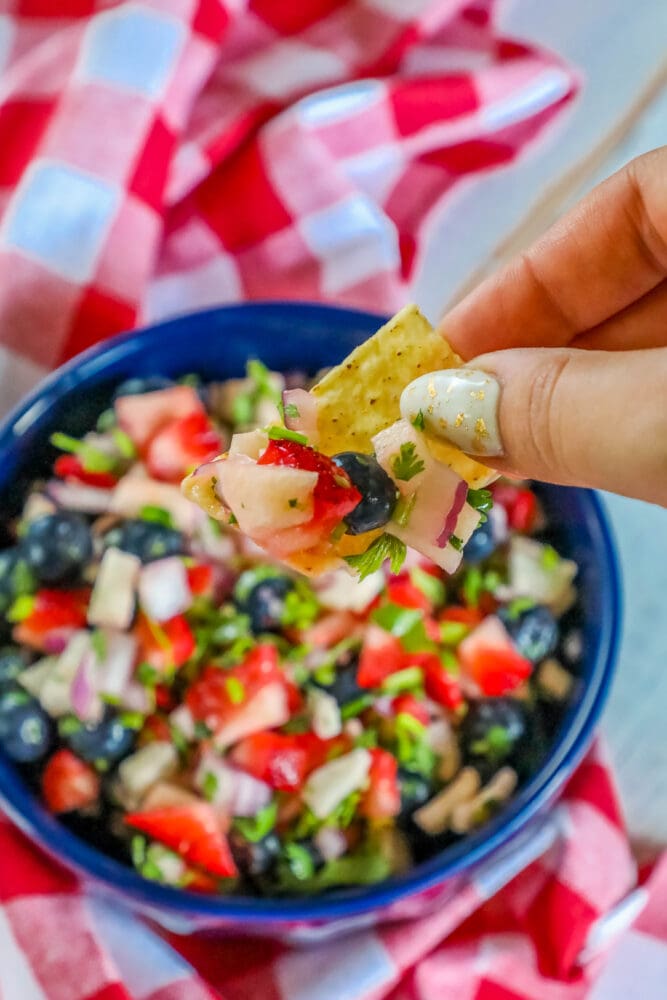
(622, 112)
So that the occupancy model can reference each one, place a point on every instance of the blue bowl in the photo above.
(216, 343)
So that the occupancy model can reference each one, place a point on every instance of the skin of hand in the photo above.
(566, 348)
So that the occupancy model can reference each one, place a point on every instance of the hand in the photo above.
(575, 389)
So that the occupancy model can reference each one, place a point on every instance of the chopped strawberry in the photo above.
(141, 416)
(70, 467)
(490, 658)
(68, 783)
(218, 695)
(201, 579)
(182, 445)
(520, 505)
(457, 613)
(381, 655)
(193, 831)
(440, 685)
(52, 611)
(382, 798)
(165, 644)
(283, 761)
(155, 727)
(329, 630)
(334, 495)
(407, 704)
(401, 590)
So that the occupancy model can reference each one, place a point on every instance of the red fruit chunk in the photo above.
(382, 798)
(498, 671)
(401, 590)
(182, 445)
(520, 505)
(52, 610)
(193, 831)
(165, 644)
(466, 616)
(70, 467)
(407, 704)
(68, 783)
(334, 495)
(218, 695)
(201, 579)
(381, 655)
(440, 685)
(141, 416)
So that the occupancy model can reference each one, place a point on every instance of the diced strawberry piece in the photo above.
(70, 467)
(432, 629)
(401, 590)
(381, 655)
(165, 699)
(490, 658)
(141, 416)
(466, 616)
(329, 630)
(281, 760)
(440, 685)
(182, 445)
(165, 644)
(155, 727)
(519, 503)
(382, 798)
(201, 579)
(407, 704)
(193, 831)
(217, 695)
(52, 611)
(334, 495)
(68, 783)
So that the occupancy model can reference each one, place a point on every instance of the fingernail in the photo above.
(461, 405)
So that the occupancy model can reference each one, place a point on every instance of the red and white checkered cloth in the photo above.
(160, 155)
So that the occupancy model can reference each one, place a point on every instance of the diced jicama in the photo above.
(265, 498)
(37, 505)
(234, 790)
(200, 488)
(327, 786)
(300, 409)
(142, 415)
(50, 680)
(134, 492)
(338, 592)
(163, 589)
(324, 714)
(79, 497)
(250, 443)
(181, 718)
(538, 572)
(112, 601)
(144, 768)
(268, 709)
(331, 842)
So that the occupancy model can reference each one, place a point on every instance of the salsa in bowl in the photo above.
(241, 737)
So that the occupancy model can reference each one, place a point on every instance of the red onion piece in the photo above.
(86, 703)
(452, 517)
(76, 496)
(330, 842)
(113, 675)
(306, 419)
(237, 792)
(55, 642)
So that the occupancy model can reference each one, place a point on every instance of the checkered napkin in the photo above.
(575, 923)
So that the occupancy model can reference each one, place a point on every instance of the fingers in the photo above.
(604, 255)
(586, 418)
(641, 325)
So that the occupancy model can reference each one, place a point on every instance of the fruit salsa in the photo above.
(193, 708)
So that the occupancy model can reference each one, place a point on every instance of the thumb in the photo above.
(587, 418)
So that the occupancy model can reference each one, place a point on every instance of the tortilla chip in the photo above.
(361, 396)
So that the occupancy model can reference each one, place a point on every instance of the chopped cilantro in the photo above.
(301, 607)
(403, 510)
(496, 744)
(20, 609)
(209, 786)
(147, 675)
(299, 861)
(412, 748)
(455, 542)
(98, 644)
(292, 502)
(367, 739)
(68, 725)
(407, 624)
(284, 434)
(517, 607)
(93, 459)
(261, 387)
(356, 707)
(451, 633)
(235, 690)
(406, 464)
(123, 443)
(482, 501)
(105, 421)
(255, 828)
(22, 579)
(233, 519)
(138, 850)
(418, 421)
(386, 546)
(202, 731)
(431, 586)
(338, 532)
(408, 679)
(131, 720)
(549, 558)
(449, 661)
(156, 515)
(344, 812)
(290, 410)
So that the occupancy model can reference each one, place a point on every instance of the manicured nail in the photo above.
(460, 405)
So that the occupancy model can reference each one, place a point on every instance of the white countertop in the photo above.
(621, 49)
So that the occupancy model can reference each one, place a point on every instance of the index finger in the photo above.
(605, 254)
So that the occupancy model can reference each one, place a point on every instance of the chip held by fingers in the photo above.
(343, 480)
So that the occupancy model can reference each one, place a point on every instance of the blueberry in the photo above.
(12, 663)
(415, 791)
(26, 731)
(343, 687)
(254, 858)
(58, 546)
(480, 545)
(494, 731)
(378, 492)
(136, 386)
(107, 741)
(534, 632)
(146, 539)
(265, 603)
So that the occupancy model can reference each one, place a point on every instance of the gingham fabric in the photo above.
(163, 155)
(574, 924)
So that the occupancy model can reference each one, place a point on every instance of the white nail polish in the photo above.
(461, 405)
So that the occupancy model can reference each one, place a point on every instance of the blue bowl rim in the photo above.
(455, 860)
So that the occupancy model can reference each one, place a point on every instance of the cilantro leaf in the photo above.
(386, 546)
(406, 464)
(255, 828)
(455, 542)
(289, 410)
(482, 501)
(284, 434)
(93, 459)
(418, 421)
(209, 785)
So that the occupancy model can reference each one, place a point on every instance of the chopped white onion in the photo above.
(330, 842)
(164, 590)
(181, 718)
(112, 601)
(324, 714)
